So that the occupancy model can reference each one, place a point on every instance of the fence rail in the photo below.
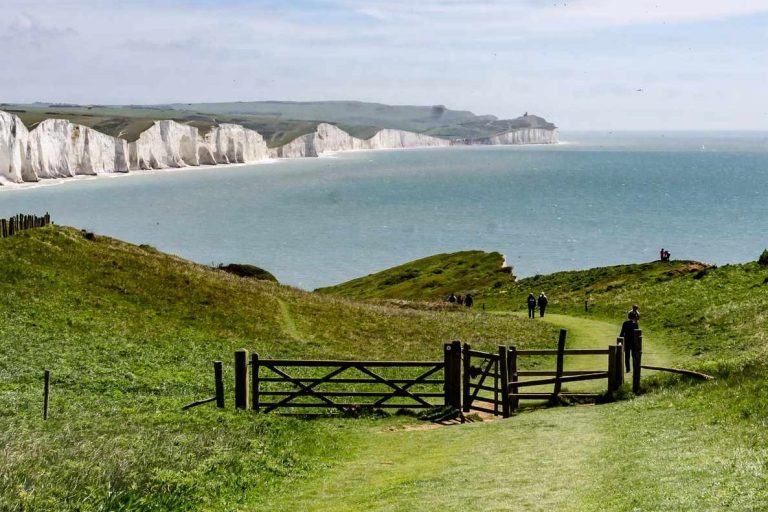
(22, 222)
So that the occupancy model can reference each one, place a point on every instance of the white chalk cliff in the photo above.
(57, 148)
(14, 143)
(328, 138)
(231, 144)
(60, 149)
(521, 136)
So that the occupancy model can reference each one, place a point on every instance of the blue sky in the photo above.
(585, 64)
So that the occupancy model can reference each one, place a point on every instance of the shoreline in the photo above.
(8, 186)
(52, 182)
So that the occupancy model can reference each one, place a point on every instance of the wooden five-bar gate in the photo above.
(466, 379)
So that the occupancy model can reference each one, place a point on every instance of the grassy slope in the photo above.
(129, 335)
(429, 278)
(686, 446)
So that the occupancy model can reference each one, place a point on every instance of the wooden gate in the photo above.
(348, 385)
(493, 383)
(484, 380)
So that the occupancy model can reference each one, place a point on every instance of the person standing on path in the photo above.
(543, 301)
(628, 329)
(531, 306)
(468, 300)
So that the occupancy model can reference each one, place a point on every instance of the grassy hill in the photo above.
(129, 335)
(431, 278)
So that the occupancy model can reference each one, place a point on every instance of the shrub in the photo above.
(763, 259)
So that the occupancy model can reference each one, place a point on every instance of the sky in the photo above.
(583, 64)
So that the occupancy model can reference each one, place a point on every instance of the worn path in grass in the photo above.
(534, 461)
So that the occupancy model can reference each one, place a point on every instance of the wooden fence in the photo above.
(21, 222)
(466, 379)
(493, 382)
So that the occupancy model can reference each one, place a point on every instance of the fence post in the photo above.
(514, 402)
(452, 374)
(241, 379)
(560, 360)
(218, 378)
(466, 377)
(637, 356)
(612, 378)
(255, 382)
(620, 361)
(46, 392)
(504, 376)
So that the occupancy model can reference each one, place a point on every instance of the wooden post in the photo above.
(637, 356)
(46, 392)
(560, 361)
(514, 402)
(255, 382)
(218, 378)
(504, 376)
(586, 305)
(467, 378)
(241, 379)
(619, 362)
(612, 378)
(452, 386)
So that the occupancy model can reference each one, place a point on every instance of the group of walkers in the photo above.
(466, 300)
(664, 255)
(541, 302)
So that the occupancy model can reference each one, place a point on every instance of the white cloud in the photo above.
(562, 59)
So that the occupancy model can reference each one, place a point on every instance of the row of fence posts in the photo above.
(452, 353)
(21, 222)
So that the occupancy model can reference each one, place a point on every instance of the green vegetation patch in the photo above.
(431, 278)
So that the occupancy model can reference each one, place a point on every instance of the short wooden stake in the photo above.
(218, 377)
(560, 361)
(241, 379)
(46, 392)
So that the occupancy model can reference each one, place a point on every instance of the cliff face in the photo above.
(328, 138)
(57, 148)
(521, 136)
(166, 144)
(60, 149)
(14, 141)
(230, 144)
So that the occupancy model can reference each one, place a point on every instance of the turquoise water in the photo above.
(602, 199)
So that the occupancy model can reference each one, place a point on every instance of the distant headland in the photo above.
(47, 141)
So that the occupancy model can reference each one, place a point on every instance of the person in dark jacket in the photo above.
(468, 300)
(628, 333)
(543, 301)
(531, 306)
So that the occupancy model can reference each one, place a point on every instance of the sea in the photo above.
(598, 198)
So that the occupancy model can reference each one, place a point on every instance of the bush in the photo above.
(763, 259)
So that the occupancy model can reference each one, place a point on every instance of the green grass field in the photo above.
(130, 333)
